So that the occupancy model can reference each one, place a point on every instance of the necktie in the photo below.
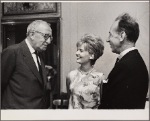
(117, 60)
(37, 58)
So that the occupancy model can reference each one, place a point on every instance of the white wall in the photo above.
(79, 18)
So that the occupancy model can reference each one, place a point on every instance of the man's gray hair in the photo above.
(32, 26)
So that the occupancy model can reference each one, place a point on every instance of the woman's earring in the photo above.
(92, 57)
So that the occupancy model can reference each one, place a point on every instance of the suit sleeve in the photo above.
(7, 67)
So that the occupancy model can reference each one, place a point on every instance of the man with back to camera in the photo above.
(24, 79)
(128, 81)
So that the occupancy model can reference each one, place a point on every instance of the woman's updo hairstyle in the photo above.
(93, 44)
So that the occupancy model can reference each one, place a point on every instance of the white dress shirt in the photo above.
(123, 53)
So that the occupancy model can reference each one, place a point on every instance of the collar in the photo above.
(29, 46)
(125, 52)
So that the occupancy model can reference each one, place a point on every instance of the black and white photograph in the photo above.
(74, 60)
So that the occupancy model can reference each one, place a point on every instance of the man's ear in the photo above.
(92, 56)
(31, 35)
(122, 36)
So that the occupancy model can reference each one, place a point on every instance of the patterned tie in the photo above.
(39, 65)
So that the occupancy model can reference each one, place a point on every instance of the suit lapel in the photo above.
(29, 61)
(124, 59)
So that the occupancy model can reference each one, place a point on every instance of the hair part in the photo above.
(94, 45)
(129, 25)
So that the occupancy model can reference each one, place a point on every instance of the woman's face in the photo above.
(83, 56)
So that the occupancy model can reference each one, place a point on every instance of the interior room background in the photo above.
(81, 18)
(72, 21)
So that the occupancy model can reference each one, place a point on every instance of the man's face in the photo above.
(42, 37)
(114, 38)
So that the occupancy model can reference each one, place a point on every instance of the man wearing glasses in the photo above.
(23, 79)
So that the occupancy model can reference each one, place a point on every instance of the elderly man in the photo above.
(24, 78)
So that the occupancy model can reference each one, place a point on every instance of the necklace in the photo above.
(86, 73)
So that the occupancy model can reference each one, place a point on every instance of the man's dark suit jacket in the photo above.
(127, 84)
(21, 84)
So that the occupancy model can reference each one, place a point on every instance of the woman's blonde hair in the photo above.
(94, 45)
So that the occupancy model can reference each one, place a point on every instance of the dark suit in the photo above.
(127, 84)
(22, 85)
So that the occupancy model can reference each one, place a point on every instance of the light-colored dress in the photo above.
(85, 89)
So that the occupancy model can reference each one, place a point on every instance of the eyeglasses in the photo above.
(46, 36)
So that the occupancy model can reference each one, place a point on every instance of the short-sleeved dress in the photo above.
(85, 90)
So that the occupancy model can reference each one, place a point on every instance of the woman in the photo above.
(84, 84)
